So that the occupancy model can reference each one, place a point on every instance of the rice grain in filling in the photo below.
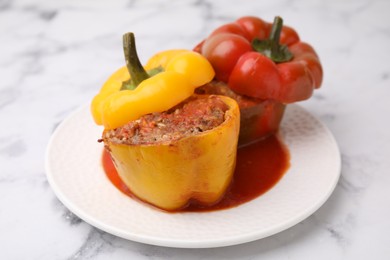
(191, 117)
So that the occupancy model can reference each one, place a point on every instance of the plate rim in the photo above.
(174, 242)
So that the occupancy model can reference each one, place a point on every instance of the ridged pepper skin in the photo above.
(263, 60)
(194, 168)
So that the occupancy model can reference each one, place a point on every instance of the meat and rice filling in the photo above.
(193, 116)
(220, 88)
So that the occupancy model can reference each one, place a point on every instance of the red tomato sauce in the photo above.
(259, 167)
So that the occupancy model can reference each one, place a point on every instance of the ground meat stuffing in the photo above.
(220, 88)
(191, 117)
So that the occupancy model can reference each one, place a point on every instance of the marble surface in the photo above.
(54, 56)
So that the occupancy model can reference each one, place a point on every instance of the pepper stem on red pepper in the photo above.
(271, 47)
(134, 66)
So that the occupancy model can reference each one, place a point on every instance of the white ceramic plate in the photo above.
(74, 171)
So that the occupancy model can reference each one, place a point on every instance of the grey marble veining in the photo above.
(55, 55)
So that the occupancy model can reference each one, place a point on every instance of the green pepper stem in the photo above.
(271, 47)
(134, 66)
(274, 36)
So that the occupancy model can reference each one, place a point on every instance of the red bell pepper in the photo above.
(263, 60)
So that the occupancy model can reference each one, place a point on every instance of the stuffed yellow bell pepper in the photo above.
(140, 107)
(196, 168)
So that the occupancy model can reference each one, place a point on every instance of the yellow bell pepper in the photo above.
(193, 168)
(132, 92)
(171, 174)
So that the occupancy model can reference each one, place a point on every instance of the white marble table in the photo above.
(54, 56)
